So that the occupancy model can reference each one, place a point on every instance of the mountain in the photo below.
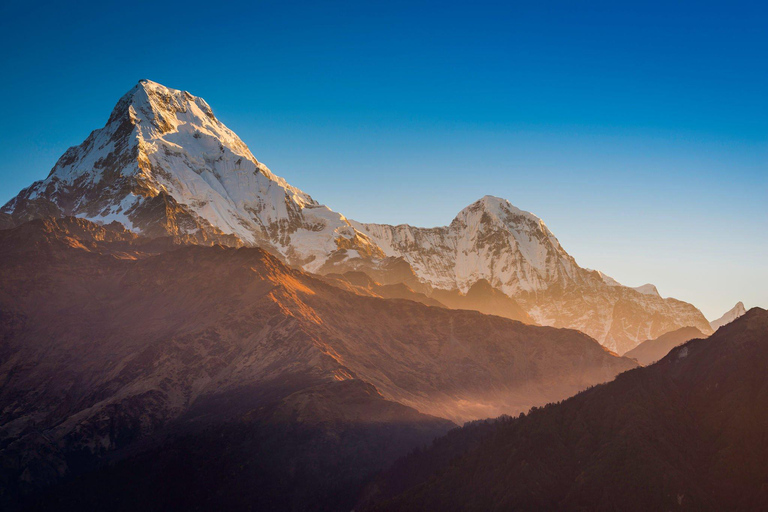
(687, 433)
(650, 351)
(311, 451)
(363, 284)
(111, 343)
(515, 252)
(483, 297)
(164, 165)
(731, 315)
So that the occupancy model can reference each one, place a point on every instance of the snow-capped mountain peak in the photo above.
(164, 164)
(647, 289)
(731, 315)
(515, 252)
(605, 278)
(184, 122)
(490, 239)
(529, 231)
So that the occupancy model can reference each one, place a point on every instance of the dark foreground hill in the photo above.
(688, 433)
(220, 367)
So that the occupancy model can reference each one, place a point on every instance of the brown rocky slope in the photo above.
(108, 339)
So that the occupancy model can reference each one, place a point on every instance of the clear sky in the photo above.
(637, 131)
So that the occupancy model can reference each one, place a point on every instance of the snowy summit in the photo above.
(164, 165)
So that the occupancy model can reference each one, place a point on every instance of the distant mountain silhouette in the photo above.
(729, 316)
(650, 351)
(483, 297)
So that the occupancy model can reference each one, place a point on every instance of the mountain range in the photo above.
(112, 344)
(164, 165)
(687, 433)
(182, 329)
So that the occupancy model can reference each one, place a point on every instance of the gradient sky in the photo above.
(638, 132)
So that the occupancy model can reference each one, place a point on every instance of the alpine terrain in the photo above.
(729, 316)
(113, 345)
(165, 165)
(687, 433)
(515, 252)
(650, 351)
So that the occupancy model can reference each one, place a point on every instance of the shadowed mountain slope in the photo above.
(483, 297)
(650, 351)
(687, 433)
(108, 341)
(361, 283)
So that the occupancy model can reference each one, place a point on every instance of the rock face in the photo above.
(515, 252)
(691, 427)
(108, 339)
(164, 165)
(650, 351)
(731, 315)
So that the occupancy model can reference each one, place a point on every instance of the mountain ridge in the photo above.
(729, 316)
(164, 165)
(689, 427)
(650, 351)
(513, 249)
(109, 339)
(165, 145)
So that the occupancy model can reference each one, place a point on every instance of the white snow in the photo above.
(731, 315)
(606, 278)
(647, 289)
(118, 212)
(490, 239)
(353, 254)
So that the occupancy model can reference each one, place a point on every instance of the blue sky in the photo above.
(637, 131)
